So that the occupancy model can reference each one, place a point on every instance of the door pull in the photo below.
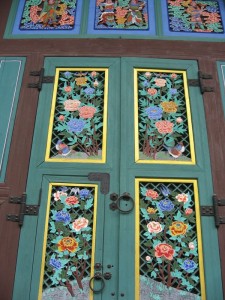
(116, 204)
(99, 276)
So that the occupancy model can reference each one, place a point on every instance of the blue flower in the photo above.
(76, 125)
(166, 205)
(145, 83)
(67, 74)
(154, 112)
(89, 91)
(173, 91)
(189, 265)
(62, 216)
(84, 193)
(55, 263)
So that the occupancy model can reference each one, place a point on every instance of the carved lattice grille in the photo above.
(164, 120)
(170, 261)
(70, 240)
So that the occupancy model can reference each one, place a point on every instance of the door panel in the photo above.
(122, 240)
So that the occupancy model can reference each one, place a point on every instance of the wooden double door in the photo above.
(119, 168)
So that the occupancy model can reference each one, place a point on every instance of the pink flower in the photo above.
(179, 120)
(188, 211)
(58, 194)
(151, 194)
(173, 75)
(148, 74)
(80, 223)
(152, 92)
(68, 89)
(148, 258)
(72, 200)
(71, 105)
(160, 82)
(93, 74)
(191, 246)
(182, 198)
(164, 127)
(61, 118)
(87, 112)
(154, 227)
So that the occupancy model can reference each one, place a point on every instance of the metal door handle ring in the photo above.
(127, 197)
(97, 276)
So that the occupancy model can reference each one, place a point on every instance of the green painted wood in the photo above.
(11, 72)
(221, 74)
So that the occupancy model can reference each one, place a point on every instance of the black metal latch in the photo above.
(31, 210)
(42, 79)
(124, 207)
(200, 82)
(213, 210)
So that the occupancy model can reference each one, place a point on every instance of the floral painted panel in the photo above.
(48, 15)
(78, 129)
(169, 239)
(163, 120)
(195, 16)
(70, 242)
(121, 14)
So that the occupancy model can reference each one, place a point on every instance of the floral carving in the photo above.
(164, 250)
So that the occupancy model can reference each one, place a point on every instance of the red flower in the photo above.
(164, 250)
(68, 89)
(72, 200)
(151, 194)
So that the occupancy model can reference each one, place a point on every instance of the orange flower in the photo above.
(67, 243)
(72, 200)
(164, 127)
(81, 80)
(152, 92)
(178, 228)
(68, 89)
(71, 105)
(164, 250)
(87, 112)
(169, 106)
(151, 194)
(151, 210)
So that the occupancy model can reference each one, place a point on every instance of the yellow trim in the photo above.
(189, 120)
(46, 231)
(198, 229)
(52, 113)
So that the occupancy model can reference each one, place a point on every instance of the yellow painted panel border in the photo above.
(189, 120)
(137, 230)
(105, 113)
(55, 184)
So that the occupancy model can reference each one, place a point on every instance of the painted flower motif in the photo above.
(68, 88)
(96, 83)
(169, 106)
(173, 76)
(152, 92)
(178, 228)
(179, 120)
(89, 91)
(71, 105)
(164, 127)
(151, 194)
(87, 112)
(93, 74)
(67, 74)
(188, 211)
(61, 118)
(148, 74)
(160, 82)
(164, 250)
(56, 264)
(173, 91)
(182, 198)
(76, 125)
(67, 243)
(80, 223)
(81, 80)
(58, 194)
(191, 246)
(84, 193)
(72, 200)
(148, 258)
(189, 265)
(62, 216)
(154, 112)
(151, 210)
(154, 227)
(166, 205)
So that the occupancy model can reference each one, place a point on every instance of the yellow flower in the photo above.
(151, 210)
(169, 107)
(81, 80)
(178, 228)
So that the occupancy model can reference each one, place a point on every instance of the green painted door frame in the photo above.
(115, 235)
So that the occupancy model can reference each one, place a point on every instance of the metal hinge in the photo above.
(213, 210)
(31, 210)
(200, 82)
(42, 79)
(104, 179)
